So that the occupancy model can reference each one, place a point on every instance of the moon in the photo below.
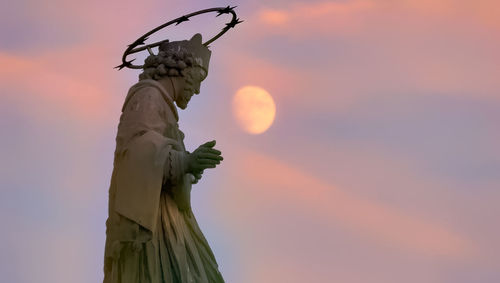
(254, 109)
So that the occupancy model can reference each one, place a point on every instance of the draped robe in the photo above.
(151, 233)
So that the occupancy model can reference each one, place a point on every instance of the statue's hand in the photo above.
(197, 177)
(204, 157)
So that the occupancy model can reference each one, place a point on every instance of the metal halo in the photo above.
(131, 49)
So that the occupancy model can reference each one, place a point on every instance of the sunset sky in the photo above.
(382, 164)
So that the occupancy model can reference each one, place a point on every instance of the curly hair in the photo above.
(172, 64)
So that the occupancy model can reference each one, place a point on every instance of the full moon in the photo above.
(254, 109)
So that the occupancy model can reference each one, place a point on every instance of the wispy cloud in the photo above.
(53, 86)
(325, 63)
(307, 19)
(274, 181)
(332, 17)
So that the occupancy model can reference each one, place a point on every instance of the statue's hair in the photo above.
(172, 64)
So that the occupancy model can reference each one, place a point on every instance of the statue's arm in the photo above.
(147, 112)
(175, 166)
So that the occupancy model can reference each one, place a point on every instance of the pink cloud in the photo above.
(36, 80)
(242, 69)
(320, 17)
(347, 17)
(485, 12)
(409, 46)
(275, 181)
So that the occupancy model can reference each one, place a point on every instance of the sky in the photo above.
(382, 164)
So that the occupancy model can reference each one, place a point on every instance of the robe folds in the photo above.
(151, 233)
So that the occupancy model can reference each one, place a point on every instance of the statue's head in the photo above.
(187, 59)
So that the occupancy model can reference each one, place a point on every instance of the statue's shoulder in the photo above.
(147, 87)
(150, 87)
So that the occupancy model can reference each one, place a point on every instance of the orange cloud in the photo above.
(485, 12)
(322, 17)
(438, 47)
(274, 17)
(327, 17)
(276, 181)
(241, 69)
(41, 84)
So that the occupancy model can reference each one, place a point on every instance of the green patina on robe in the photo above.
(151, 233)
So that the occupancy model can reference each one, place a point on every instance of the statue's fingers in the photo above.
(208, 161)
(198, 167)
(211, 150)
(208, 166)
(210, 156)
(208, 144)
(197, 177)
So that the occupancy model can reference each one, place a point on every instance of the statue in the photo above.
(151, 233)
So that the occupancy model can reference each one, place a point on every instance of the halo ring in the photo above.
(132, 48)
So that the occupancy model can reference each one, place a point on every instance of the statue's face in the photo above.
(193, 79)
(185, 96)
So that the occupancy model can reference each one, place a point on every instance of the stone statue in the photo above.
(151, 233)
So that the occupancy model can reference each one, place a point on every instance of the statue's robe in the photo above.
(151, 233)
